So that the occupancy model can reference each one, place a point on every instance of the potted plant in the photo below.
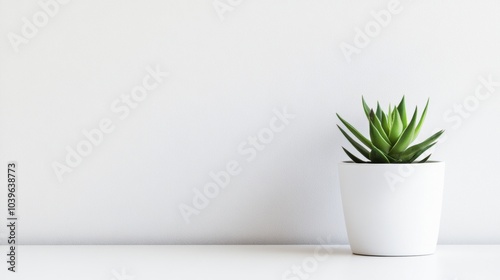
(392, 200)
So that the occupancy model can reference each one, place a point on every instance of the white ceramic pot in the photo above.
(392, 209)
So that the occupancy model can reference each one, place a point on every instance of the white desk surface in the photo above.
(238, 262)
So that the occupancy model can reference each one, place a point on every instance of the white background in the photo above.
(226, 77)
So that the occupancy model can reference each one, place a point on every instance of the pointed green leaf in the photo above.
(355, 144)
(402, 112)
(420, 152)
(356, 133)
(379, 111)
(393, 117)
(421, 122)
(415, 148)
(397, 128)
(406, 138)
(353, 157)
(377, 156)
(392, 159)
(366, 108)
(385, 123)
(425, 159)
(378, 125)
(389, 119)
(377, 139)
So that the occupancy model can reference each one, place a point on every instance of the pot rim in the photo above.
(390, 164)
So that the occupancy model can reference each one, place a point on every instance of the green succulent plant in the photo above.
(390, 135)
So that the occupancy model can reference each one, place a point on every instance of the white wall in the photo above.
(225, 79)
